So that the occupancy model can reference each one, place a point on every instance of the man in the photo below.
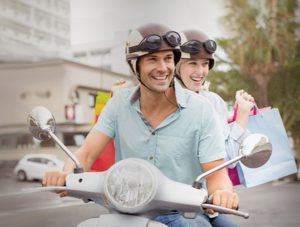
(159, 121)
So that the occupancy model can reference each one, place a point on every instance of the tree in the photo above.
(285, 94)
(264, 57)
(263, 39)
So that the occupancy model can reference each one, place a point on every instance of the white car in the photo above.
(33, 166)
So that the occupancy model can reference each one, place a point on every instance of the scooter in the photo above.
(133, 189)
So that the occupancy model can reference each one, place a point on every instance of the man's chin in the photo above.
(161, 88)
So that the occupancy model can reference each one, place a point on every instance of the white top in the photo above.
(233, 133)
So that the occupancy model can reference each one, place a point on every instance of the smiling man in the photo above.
(161, 122)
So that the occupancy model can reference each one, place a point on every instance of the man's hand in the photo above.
(224, 198)
(55, 178)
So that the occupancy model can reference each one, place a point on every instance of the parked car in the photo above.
(33, 166)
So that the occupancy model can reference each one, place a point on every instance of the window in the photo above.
(74, 139)
(36, 160)
(92, 100)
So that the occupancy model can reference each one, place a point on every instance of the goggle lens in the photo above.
(153, 42)
(194, 46)
(172, 38)
(210, 46)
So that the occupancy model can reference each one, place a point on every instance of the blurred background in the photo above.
(61, 53)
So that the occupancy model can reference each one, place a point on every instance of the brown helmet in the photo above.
(196, 45)
(148, 39)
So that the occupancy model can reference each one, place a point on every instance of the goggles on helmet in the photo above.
(153, 42)
(194, 46)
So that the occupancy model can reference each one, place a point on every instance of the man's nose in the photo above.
(162, 65)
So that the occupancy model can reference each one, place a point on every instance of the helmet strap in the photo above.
(180, 80)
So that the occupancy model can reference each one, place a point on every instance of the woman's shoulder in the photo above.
(212, 96)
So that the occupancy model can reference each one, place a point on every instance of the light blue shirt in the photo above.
(188, 137)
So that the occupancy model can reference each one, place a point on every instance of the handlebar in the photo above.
(225, 210)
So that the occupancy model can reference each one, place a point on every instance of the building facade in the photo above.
(34, 29)
(66, 88)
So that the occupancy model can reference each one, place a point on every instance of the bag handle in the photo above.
(255, 110)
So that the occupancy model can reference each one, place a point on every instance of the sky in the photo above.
(99, 20)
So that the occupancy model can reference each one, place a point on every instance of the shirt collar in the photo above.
(134, 95)
(179, 93)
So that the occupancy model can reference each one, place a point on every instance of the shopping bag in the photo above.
(281, 162)
(107, 158)
(233, 172)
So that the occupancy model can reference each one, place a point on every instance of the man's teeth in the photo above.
(160, 77)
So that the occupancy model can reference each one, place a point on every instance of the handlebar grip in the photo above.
(209, 201)
(225, 210)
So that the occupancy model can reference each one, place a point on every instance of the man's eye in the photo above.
(151, 59)
(170, 58)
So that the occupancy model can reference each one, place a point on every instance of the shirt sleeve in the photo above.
(212, 146)
(233, 133)
(234, 139)
(107, 120)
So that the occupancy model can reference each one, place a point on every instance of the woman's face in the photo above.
(193, 73)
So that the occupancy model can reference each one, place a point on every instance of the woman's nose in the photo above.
(199, 69)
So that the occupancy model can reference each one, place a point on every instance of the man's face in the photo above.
(157, 70)
(193, 73)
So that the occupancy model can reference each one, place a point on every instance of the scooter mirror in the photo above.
(256, 149)
(41, 124)
(40, 120)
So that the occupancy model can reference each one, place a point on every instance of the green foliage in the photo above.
(264, 55)
(227, 83)
(284, 91)
(262, 39)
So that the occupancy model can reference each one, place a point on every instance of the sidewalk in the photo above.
(6, 168)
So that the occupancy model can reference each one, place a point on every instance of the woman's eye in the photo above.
(193, 63)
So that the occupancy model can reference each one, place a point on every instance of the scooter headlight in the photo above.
(130, 185)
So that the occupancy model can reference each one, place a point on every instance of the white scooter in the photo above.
(133, 189)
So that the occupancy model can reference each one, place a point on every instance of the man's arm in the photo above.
(92, 147)
(219, 186)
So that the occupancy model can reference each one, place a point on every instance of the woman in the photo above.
(192, 71)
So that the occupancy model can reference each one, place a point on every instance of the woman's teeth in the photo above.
(197, 79)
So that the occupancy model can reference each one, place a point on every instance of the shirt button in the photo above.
(151, 158)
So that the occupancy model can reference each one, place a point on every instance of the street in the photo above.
(276, 204)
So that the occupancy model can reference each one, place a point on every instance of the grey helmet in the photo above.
(197, 45)
(148, 39)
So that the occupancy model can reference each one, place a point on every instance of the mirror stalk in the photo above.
(78, 168)
(198, 182)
